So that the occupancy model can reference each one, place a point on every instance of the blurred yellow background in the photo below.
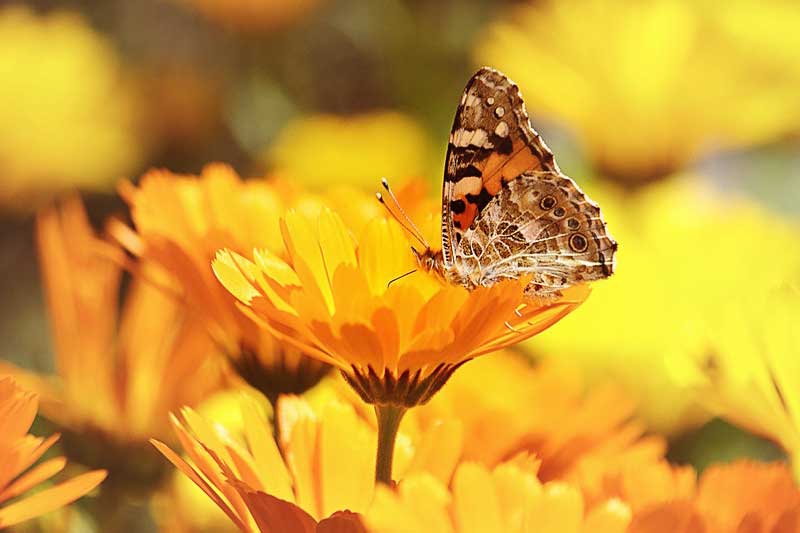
(680, 117)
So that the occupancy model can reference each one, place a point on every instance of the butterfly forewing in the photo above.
(507, 210)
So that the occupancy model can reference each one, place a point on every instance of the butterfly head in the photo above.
(430, 260)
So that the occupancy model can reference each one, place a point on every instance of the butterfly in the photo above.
(507, 209)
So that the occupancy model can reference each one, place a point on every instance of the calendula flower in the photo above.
(120, 368)
(356, 150)
(19, 450)
(253, 15)
(324, 476)
(749, 369)
(61, 91)
(676, 271)
(647, 103)
(180, 223)
(578, 435)
(506, 499)
(183, 506)
(740, 496)
(395, 344)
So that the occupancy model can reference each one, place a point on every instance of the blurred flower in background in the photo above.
(739, 496)
(650, 86)
(181, 111)
(750, 371)
(122, 366)
(506, 499)
(688, 251)
(578, 434)
(253, 15)
(19, 451)
(326, 150)
(67, 117)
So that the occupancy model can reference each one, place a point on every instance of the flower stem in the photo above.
(389, 417)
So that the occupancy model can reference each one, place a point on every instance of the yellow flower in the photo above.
(119, 373)
(506, 499)
(689, 251)
(507, 406)
(184, 507)
(60, 93)
(254, 15)
(394, 344)
(749, 371)
(357, 150)
(19, 451)
(326, 466)
(181, 221)
(633, 79)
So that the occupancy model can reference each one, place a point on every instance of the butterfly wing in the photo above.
(507, 210)
(491, 143)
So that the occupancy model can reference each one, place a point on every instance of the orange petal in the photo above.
(50, 499)
(195, 477)
(276, 516)
(673, 517)
(33, 477)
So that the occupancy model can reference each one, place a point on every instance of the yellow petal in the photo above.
(439, 451)
(475, 505)
(301, 242)
(347, 465)
(269, 462)
(559, 509)
(335, 243)
(383, 254)
(613, 516)
(227, 267)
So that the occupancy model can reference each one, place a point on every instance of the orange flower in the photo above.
(138, 363)
(323, 476)
(395, 344)
(508, 406)
(506, 499)
(181, 221)
(19, 450)
(737, 497)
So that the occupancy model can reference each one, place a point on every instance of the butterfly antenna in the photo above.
(401, 276)
(403, 218)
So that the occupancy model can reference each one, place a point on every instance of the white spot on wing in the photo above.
(462, 137)
(499, 112)
(502, 129)
(468, 185)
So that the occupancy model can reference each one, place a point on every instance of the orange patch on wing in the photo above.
(465, 219)
(501, 168)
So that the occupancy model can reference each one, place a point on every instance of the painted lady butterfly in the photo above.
(507, 209)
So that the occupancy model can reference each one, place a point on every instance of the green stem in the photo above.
(389, 417)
